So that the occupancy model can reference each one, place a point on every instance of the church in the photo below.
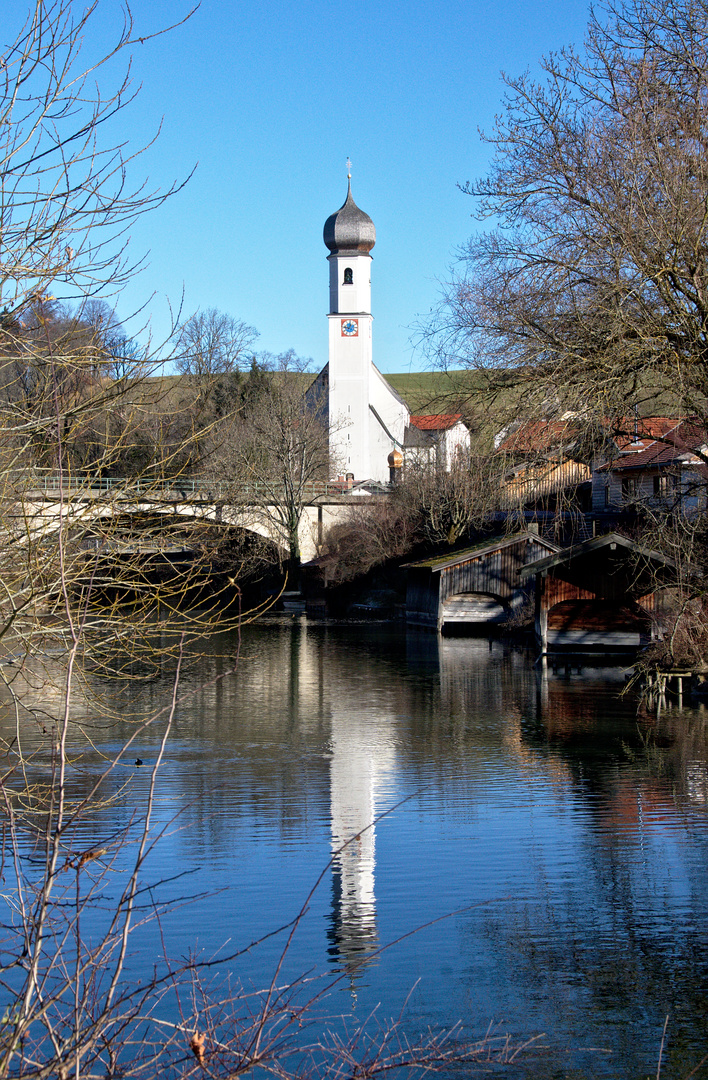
(372, 433)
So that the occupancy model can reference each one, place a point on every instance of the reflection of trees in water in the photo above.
(592, 726)
(460, 721)
(613, 935)
(33, 691)
(607, 977)
(600, 943)
(606, 954)
(604, 943)
(249, 748)
(299, 731)
(32, 702)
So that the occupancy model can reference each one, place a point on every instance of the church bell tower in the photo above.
(350, 235)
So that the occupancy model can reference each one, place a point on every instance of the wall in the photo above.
(395, 415)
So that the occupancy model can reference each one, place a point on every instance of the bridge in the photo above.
(49, 499)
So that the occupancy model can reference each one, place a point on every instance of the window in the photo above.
(630, 488)
(348, 276)
(607, 494)
(664, 484)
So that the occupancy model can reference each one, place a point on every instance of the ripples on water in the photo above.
(569, 837)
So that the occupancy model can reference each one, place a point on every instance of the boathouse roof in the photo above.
(485, 547)
(625, 566)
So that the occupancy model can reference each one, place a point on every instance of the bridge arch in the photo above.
(165, 521)
(135, 531)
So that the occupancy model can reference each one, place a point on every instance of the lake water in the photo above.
(548, 846)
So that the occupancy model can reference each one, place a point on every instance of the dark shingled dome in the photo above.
(350, 229)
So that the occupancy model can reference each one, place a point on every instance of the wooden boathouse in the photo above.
(598, 595)
(480, 584)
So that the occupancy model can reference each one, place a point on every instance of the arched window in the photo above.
(348, 276)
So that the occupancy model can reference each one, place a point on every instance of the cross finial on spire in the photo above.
(349, 169)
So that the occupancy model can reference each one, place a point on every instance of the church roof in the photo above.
(391, 389)
(350, 229)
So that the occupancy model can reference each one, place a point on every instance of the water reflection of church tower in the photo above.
(323, 686)
(362, 750)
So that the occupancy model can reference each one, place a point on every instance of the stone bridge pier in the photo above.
(315, 522)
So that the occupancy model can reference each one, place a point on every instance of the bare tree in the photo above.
(65, 551)
(379, 532)
(277, 453)
(124, 359)
(66, 204)
(212, 343)
(450, 505)
(430, 509)
(66, 207)
(590, 293)
(212, 347)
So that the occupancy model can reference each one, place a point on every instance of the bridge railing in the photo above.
(175, 487)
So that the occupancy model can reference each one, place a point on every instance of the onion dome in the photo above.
(350, 230)
(395, 459)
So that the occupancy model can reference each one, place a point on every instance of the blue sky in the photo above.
(268, 100)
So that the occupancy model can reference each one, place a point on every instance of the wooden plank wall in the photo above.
(422, 595)
(496, 573)
(541, 480)
(557, 590)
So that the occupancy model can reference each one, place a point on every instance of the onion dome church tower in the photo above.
(367, 419)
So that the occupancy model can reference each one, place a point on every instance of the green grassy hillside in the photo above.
(431, 391)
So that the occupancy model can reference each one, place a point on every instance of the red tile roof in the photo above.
(537, 435)
(645, 430)
(435, 423)
(675, 440)
(643, 438)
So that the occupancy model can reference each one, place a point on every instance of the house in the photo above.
(661, 464)
(606, 468)
(437, 441)
(545, 463)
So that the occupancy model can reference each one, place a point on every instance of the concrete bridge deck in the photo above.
(53, 485)
(249, 505)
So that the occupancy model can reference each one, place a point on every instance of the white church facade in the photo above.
(372, 433)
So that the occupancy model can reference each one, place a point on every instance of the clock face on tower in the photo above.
(350, 327)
